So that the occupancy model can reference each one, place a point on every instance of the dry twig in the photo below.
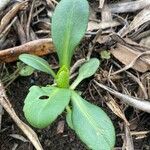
(37, 47)
(137, 103)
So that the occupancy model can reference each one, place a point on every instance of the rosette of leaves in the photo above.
(44, 104)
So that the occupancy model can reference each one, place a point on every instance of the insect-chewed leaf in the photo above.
(92, 124)
(37, 63)
(69, 24)
(44, 104)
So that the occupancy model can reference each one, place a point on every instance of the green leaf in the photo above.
(69, 23)
(26, 71)
(69, 118)
(44, 104)
(105, 54)
(37, 63)
(86, 70)
(92, 124)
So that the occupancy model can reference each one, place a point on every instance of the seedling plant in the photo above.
(44, 104)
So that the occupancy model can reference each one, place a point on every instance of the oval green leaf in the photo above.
(69, 23)
(92, 124)
(44, 104)
(86, 70)
(37, 63)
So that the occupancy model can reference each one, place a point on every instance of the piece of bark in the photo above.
(37, 47)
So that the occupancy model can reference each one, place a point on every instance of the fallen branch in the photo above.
(38, 47)
(25, 128)
(140, 104)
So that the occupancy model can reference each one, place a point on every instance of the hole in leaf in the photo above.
(44, 97)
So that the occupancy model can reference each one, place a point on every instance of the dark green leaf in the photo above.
(92, 124)
(44, 104)
(69, 24)
(37, 63)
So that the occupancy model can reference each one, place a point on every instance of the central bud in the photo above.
(62, 78)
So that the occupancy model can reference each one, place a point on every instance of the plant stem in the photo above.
(68, 109)
(75, 84)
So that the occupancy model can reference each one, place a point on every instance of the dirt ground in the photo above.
(59, 136)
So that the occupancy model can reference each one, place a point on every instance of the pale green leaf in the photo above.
(69, 119)
(69, 23)
(105, 54)
(26, 71)
(44, 104)
(92, 124)
(89, 68)
(86, 70)
(37, 63)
